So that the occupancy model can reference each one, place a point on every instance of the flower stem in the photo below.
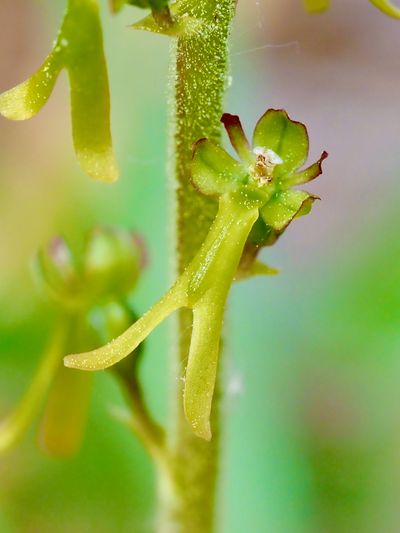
(144, 426)
(200, 63)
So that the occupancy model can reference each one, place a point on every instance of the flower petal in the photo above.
(308, 174)
(288, 139)
(284, 207)
(237, 137)
(214, 171)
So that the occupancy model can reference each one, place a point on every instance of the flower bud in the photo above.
(106, 270)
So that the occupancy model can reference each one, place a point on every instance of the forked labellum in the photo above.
(254, 192)
(79, 49)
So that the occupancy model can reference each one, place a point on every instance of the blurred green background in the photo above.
(312, 403)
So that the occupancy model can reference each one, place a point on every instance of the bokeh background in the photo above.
(312, 403)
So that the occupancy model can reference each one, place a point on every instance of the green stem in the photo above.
(145, 427)
(200, 63)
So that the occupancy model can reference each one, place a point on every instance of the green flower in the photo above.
(268, 170)
(79, 49)
(314, 6)
(90, 293)
(257, 202)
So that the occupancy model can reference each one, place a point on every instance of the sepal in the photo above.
(284, 207)
(308, 174)
(238, 137)
(214, 171)
(288, 139)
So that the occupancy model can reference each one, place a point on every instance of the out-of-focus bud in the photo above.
(57, 272)
(107, 269)
(113, 260)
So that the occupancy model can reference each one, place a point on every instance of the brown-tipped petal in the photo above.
(238, 137)
(284, 207)
(308, 174)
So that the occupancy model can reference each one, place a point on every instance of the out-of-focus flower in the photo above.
(90, 293)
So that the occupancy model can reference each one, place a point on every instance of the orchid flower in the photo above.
(257, 202)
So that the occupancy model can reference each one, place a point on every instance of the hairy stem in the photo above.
(200, 63)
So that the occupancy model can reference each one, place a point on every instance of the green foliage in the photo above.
(256, 189)
(79, 49)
